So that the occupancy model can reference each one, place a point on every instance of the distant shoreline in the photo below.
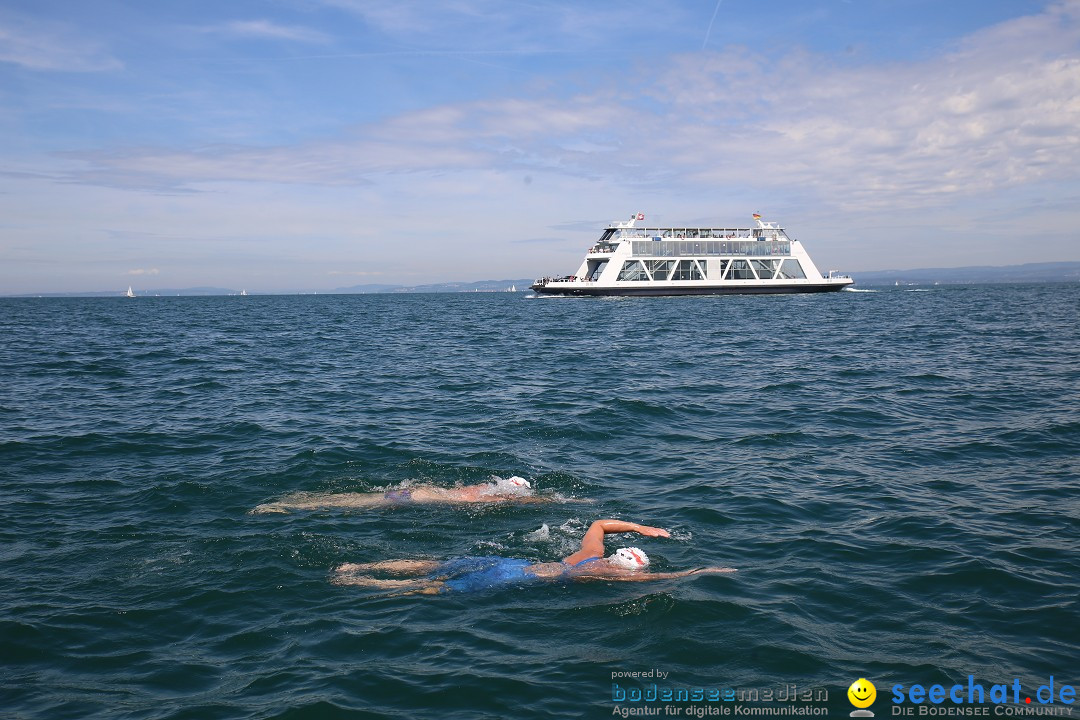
(1040, 273)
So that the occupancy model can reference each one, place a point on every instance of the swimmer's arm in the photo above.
(592, 545)
(682, 573)
(646, 576)
(532, 499)
(307, 501)
(517, 499)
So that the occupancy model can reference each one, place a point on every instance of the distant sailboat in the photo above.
(243, 292)
(130, 292)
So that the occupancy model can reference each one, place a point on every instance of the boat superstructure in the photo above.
(629, 259)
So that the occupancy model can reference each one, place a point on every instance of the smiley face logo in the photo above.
(862, 693)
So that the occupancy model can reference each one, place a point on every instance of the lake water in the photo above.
(895, 475)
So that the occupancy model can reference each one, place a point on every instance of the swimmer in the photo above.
(513, 489)
(471, 574)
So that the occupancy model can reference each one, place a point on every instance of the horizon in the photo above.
(1048, 272)
(332, 143)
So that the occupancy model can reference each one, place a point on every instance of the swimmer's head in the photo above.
(513, 484)
(630, 558)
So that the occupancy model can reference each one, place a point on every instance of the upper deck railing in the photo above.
(671, 233)
(689, 248)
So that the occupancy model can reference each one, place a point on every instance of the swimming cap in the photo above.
(512, 484)
(630, 558)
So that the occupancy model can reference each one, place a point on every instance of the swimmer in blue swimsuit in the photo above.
(512, 489)
(473, 574)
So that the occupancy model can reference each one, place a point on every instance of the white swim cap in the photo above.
(630, 558)
(512, 484)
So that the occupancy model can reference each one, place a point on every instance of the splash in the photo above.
(542, 533)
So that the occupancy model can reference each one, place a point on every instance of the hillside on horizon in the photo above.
(1050, 272)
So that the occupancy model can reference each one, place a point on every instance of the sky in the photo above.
(319, 144)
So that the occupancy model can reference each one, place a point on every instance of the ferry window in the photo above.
(687, 270)
(791, 268)
(632, 270)
(723, 267)
(740, 270)
(764, 268)
(660, 269)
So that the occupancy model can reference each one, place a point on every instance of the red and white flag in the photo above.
(641, 216)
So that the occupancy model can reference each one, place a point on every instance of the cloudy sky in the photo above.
(286, 144)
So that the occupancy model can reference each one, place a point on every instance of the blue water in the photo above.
(894, 474)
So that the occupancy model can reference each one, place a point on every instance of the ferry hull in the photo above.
(569, 289)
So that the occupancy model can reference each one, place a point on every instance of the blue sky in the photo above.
(291, 144)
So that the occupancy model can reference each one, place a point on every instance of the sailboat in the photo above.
(243, 292)
(130, 292)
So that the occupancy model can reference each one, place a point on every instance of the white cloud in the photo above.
(40, 45)
(479, 25)
(999, 110)
(267, 30)
(142, 271)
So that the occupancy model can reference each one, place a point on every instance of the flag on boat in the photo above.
(641, 216)
(756, 216)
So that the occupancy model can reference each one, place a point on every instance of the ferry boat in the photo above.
(633, 260)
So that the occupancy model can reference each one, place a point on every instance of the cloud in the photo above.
(141, 271)
(482, 25)
(999, 109)
(45, 46)
(267, 30)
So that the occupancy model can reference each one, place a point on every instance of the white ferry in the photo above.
(632, 260)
